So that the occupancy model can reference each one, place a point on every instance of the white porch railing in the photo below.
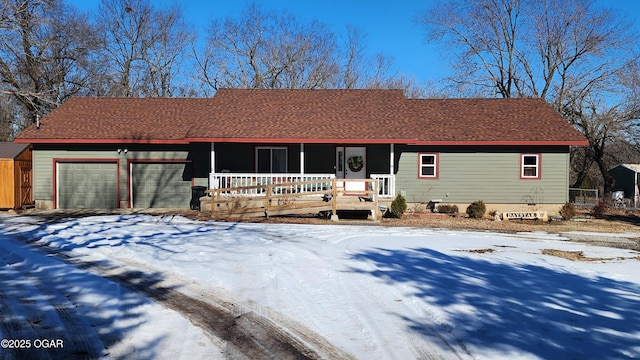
(386, 183)
(232, 180)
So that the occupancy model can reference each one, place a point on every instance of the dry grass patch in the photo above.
(481, 251)
(571, 255)
(579, 255)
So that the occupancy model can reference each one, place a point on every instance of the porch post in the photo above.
(301, 158)
(635, 190)
(391, 159)
(213, 158)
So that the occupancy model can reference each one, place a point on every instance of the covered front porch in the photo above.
(251, 165)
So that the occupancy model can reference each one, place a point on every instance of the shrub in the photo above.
(418, 208)
(476, 209)
(398, 206)
(448, 209)
(599, 210)
(568, 211)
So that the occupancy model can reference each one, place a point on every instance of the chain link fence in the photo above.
(583, 197)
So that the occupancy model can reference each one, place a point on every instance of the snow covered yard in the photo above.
(127, 286)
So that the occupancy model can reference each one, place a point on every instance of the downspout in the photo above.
(301, 159)
(213, 164)
(391, 159)
(635, 190)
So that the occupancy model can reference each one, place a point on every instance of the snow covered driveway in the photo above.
(140, 286)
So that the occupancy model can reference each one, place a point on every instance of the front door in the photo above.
(355, 167)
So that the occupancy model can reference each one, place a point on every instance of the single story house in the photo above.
(15, 175)
(134, 152)
(626, 180)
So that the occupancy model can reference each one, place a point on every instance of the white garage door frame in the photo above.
(56, 174)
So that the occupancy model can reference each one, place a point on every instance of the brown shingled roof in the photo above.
(275, 115)
(502, 121)
(346, 116)
(103, 119)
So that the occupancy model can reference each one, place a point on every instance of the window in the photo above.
(530, 166)
(271, 159)
(428, 165)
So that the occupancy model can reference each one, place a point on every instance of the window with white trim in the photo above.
(530, 166)
(428, 165)
(271, 159)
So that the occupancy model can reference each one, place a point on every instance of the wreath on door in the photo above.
(356, 163)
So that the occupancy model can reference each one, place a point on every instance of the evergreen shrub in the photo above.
(398, 206)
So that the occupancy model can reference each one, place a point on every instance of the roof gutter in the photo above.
(386, 141)
(505, 143)
(102, 141)
(302, 140)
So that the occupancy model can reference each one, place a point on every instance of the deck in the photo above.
(297, 197)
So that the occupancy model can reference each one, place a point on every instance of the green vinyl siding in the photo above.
(44, 161)
(42, 181)
(44, 166)
(491, 174)
(493, 177)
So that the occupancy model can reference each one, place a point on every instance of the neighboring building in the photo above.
(15, 175)
(130, 152)
(626, 180)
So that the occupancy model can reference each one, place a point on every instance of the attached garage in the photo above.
(87, 185)
(159, 184)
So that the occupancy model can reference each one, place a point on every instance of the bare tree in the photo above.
(378, 74)
(7, 118)
(45, 48)
(353, 54)
(568, 52)
(610, 122)
(266, 49)
(168, 54)
(144, 48)
(263, 49)
(629, 79)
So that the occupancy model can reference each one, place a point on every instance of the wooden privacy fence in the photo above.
(288, 198)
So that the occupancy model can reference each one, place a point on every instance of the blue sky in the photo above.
(389, 25)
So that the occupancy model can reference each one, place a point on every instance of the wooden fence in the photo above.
(286, 199)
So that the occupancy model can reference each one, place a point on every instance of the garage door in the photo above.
(161, 185)
(87, 185)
